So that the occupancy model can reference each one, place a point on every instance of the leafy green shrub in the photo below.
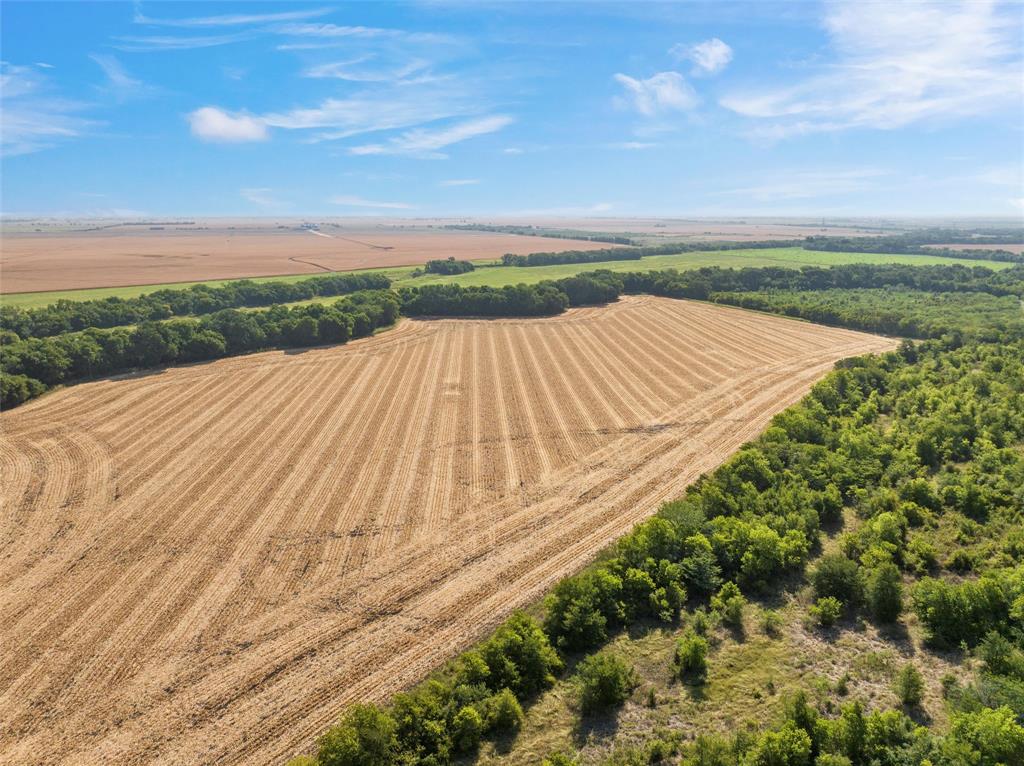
(826, 611)
(1000, 656)
(909, 685)
(559, 759)
(771, 622)
(729, 604)
(995, 734)
(884, 592)
(502, 712)
(365, 736)
(467, 728)
(520, 657)
(837, 577)
(789, 746)
(605, 681)
(691, 657)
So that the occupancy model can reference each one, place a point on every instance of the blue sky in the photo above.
(439, 108)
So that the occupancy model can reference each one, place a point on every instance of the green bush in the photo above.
(605, 682)
(503, 713)
(519, 657)
(365, 736)
(771, 622)
(467, 728)
(691, 657)
(995, 735)
(909, 685)
(789, 746)
(729, 604)
(884, 592)
(837, 577)
(826, 611)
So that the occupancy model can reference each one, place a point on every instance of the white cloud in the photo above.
(660, 93)
(232, 19)
(460, 182)
(810, 185)
(120, 82)
(708, 57)
(632, 145)
(352, 72)
(212, 124)
(426, 143)
(1008, 175)
(349, 200)
(30, 118)
(44, 65)
(147, 43)
(512, 150)
(336, 32)
(897, 64)
(261, 196)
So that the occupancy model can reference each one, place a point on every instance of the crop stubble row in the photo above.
(206, 564)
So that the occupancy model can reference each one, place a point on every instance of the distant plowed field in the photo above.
(111, 258)
(206, 564)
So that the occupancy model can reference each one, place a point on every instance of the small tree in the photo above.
(503, 712)
(605, 682)
(827, 611)
(909, 685)
(365, 736)
(467, 728)
(885, 592)
(691, 657)
(838, 577)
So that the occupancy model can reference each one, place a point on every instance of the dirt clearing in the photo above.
(206, 564)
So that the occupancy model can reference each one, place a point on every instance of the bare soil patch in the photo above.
(206, 564)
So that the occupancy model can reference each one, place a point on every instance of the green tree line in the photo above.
(73, 316)
(31, 366)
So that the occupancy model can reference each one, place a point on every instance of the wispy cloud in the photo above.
(352, 70)
(348, 200)
(658, 94)
(119, 81)
(631, 145)
(150, 43)
(708, 57)
(426, 143)
(897, 64)
(1007, 175)
(213, 124)
(335, 32)
(261, 196)
(31, 119)
(460, 182)
(810, 185)
(229, 20)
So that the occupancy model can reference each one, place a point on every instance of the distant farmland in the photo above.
(206, 564)
(496, 276)
(111, 258)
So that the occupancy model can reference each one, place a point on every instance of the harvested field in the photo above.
(114, 257)
(206, 564)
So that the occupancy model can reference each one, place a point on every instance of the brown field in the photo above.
(206, 564)
(133, 255)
